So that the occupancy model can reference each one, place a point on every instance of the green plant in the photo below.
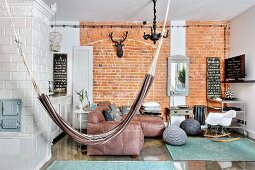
(182, 76)
(81, 95)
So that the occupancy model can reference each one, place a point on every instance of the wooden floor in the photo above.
(153, 149)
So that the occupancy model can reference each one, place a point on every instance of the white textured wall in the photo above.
(178, 47)
(242, 41)
(31, 147)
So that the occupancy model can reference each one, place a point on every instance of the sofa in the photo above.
(130, 141)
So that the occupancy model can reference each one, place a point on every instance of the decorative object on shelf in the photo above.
(60, 73)
(154, 36)
(55, 39)
(82, 103)
(119, 44)
(213, 78)
(191, 126)
(229, 94)
(175, 136)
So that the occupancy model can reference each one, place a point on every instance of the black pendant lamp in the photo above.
(154, 36)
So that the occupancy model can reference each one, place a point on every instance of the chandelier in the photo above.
(154, 36)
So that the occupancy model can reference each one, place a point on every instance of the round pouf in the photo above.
(174, 136)
(191, 126)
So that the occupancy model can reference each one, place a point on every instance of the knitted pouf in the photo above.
(174, 136)
(191, 126)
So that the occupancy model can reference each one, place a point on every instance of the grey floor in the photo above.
(153, 149)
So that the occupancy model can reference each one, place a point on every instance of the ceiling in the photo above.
(142, 10)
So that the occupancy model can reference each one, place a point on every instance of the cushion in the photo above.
(107, 115)
(175, 136)
(151, 104)
(191, 126)
(125, 109)
(115, 112)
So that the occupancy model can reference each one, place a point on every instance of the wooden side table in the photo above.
(176, 111)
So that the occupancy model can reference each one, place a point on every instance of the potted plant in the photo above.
(82, 95)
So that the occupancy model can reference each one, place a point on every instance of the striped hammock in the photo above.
(77, 136)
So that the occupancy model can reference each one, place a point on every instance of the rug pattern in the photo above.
(111, 165)
(206, 149)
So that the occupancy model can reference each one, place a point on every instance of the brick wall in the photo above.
(203, 42)
(119, 79)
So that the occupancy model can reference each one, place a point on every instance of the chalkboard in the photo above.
(235, 67)
(213, 78)
(60, 73)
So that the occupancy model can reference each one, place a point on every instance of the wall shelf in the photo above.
(238, 81)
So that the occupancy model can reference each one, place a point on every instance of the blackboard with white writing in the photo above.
(60, 73)
(213, 78)
(235, 67)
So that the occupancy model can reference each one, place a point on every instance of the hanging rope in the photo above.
(76, 135)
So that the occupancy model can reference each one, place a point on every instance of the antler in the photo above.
(124, 38)
(110, 35)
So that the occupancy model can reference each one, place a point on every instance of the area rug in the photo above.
(111, 165)
(206, 149)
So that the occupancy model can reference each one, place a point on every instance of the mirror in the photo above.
(178, 77)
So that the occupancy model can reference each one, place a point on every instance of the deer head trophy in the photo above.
(119, 44)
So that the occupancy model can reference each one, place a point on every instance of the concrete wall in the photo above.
(242, 41)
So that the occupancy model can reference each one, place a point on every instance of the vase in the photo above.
(80, 105)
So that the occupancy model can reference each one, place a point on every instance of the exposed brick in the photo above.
(119, 79)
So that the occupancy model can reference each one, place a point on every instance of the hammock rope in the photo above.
(89, 139)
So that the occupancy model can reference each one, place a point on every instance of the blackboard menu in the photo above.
(213, 78)
(60, 73)
(235, 67)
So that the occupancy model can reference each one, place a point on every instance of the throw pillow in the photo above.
(125, 109)
(116, 114)
(107, 115)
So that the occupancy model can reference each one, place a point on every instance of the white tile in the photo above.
(28, 102)
(5, 94)
(11, 84)
(4, 22)
(28, 120)
(19, 23)
(12, 67)
(28, 129)
(18, 75)
(29, 22)
(12, 49)
(12, 146)
(25, 31)
(1, 84)
(5, 76)
(5, 58)
(30, 93)
(2, 66)
(25, 84)
(9, 31)
(1, 31)
(28, 111)
(27, 49)
(5, 40)
(18, 93)
(16, 58)
(1, 50)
